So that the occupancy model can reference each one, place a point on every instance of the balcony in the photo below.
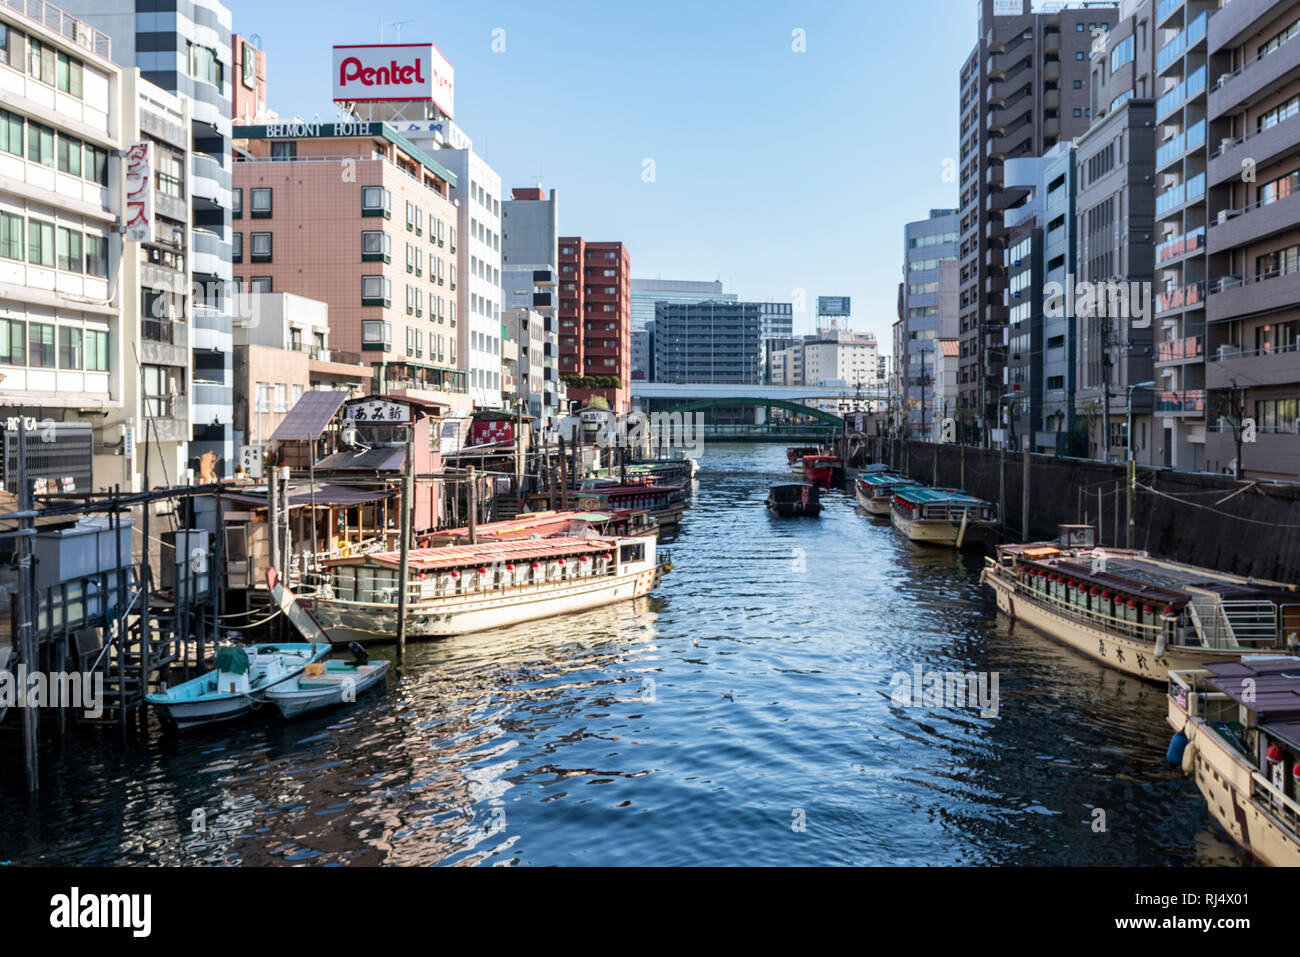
(1232, 297)
(1180, 246)
(1180, 350)
(1186, 402)
(1181, 297)
(1260, 77)
(1165, 10)
(1186, 40)
(1187, 192)
(1052, 71)
(543, 277)
(543, 300)
(1254, 223)
(1184, 91)
(1172, 150)
(994, 229)
(1263, 147)
(995, 285)
(1270, 367)
(1237, 21)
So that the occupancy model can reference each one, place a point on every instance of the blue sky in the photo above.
(775, 171)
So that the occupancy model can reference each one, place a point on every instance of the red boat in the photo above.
(824, 471)
(793, 457)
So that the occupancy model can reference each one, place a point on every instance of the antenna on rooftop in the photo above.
(397, 25)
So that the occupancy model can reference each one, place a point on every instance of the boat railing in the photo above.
(1285, 810)
(1131, 629)
(1234, 624)
(386, 594)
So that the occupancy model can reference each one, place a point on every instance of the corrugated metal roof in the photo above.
(459, 556)
(369, 460)
(309, 416)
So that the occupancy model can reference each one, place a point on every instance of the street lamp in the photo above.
(1135, 385)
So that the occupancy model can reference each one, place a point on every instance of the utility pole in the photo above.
(404, 559)
(472, 492)
(1132, 490)
(26, 591)
(1024, 498)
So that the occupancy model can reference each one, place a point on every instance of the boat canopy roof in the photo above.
(924, 495)
(1274, 691)
(883, 480)
(532, 525)
(459, 556)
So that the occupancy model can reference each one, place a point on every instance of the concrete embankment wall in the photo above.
(1254, 532)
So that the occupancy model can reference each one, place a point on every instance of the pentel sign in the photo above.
(393, 72)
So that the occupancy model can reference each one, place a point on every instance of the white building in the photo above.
(478, 193)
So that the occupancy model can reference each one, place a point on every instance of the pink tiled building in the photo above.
(355, 215)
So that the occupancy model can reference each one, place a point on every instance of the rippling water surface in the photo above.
(742, 715)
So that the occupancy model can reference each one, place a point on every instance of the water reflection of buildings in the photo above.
(421, 773)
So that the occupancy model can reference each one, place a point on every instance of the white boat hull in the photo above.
(191, 714)
(296, 701)
(345, 621)
(934, 532)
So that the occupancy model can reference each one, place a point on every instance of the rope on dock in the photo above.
(1211, 508)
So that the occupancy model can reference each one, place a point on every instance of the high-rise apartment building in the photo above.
(529, 264)
(1252, 336)
(930, 293)
(596, 320)
(644, 294)
(183, 46)
(1180, 263)
(709, 342)
(1023, 89)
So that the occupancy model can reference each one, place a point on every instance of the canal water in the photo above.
(744, 714)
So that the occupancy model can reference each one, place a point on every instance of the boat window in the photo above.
(376, 585)
(632, 553)
(344, 581)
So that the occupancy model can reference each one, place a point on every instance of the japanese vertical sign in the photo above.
(138, 177)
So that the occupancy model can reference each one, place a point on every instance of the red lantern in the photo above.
(1132, 603)
(1148, 610)
(1274, 752)
(455, 574)
(1094, 590)
(1169, 611)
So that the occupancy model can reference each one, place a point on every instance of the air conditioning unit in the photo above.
(1229, 351)
(1223, 216)
(1225, 144)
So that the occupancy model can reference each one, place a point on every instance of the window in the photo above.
(260, 247)
(376, 290)
(9, 40)
(1280, 188)
(204, 64)
(410, 216)
(376, 334)
(40, 243)
(13, 342)
(1123, 53)
(284, 151)
(11, 236)
(237, 247)
(1283, 111)
(11, 133)
(375, 246)
(1278, 337)
(40, 144)
(1079, 55)
(40, 345)
(97, 256)
(169, 173)
(261, 202)
(69, 155)
(237, 202)
(68, 72)
(69, 249)
(1056, 382)
(1078, 112)
(69, 348)
(376, 201)
(96, 350)
(1078, 84)
(40, 61)
(259, 284)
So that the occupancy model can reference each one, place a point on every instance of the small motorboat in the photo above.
(826, 471)
(794, 501)
(231, 689)
(324, 684)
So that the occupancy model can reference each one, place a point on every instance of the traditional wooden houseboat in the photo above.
(875, 490)
(1137, 614)
(547, 524)
(664, 503)
(826, 471)
(941, 516)
(794, 501)
(1237, 730)
(465, 588)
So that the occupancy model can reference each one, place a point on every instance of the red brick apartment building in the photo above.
(596, 318)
